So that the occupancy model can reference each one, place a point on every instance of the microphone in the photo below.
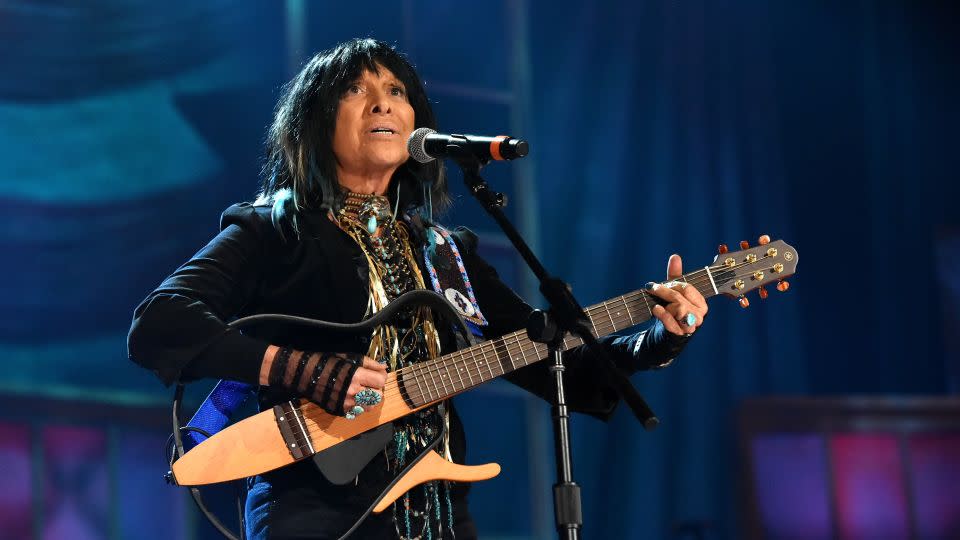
(426, 145)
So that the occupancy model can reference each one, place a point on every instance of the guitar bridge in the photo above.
(293, 430)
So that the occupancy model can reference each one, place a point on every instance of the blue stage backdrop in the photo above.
(655, 128)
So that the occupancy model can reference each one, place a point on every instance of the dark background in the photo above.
(655, 128)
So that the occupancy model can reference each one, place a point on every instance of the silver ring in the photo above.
(690, 319)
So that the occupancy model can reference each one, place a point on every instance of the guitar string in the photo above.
(498, 346)
(501, 346)
(506, 345)
(395, 389)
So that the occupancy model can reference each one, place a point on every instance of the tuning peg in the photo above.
(722, 249)
(744, 244)
(744, 302)
(763, 293)
(783, 285)
(764, 240)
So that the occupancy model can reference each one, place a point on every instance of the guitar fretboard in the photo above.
(456, 372)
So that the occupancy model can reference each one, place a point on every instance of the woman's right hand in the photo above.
(370, 375)
(331, 380)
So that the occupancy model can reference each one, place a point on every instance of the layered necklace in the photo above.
(385, 243)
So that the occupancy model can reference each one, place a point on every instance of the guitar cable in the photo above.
(421, 297)
(194, 491)
(406, 468)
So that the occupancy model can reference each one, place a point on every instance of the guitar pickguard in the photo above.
(342, 463)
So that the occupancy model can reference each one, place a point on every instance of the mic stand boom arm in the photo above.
(565, 315)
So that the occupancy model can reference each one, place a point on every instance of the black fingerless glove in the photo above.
(323, 378)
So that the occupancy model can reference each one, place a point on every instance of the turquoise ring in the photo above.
(354, 412)
(689, 320)
(368, 397)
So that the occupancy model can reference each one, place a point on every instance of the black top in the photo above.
(179, 332)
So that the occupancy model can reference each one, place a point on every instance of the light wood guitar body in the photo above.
(255, 445)
(276, 438)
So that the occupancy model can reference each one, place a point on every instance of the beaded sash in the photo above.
(449, 277)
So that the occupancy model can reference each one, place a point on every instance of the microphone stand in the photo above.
(564, 315)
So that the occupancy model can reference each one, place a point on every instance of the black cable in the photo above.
(170, 449)
(420, 297)
(430, 447)
(195, 492)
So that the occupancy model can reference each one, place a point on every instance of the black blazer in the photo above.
(179, 330)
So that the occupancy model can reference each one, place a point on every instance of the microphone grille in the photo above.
(415, 145)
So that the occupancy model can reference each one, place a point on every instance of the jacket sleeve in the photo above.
(585, 384)
(179, 330)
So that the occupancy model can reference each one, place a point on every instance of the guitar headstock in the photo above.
(739, 272)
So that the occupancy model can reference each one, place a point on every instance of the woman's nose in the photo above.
(379, 104)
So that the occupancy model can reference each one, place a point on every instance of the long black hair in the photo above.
(300, 168)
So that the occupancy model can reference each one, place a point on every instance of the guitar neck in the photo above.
(443, 377)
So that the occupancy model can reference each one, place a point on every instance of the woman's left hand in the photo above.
(685, 308)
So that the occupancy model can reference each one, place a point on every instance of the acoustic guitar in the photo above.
(300, 429)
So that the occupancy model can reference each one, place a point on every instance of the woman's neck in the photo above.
(365, 183)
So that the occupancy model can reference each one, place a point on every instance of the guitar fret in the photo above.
(627, 307)
(419, 386)
(457, 364)
(523, 354)
(496, 355)
(434, 381)
(467, 368)
(643, 296)
(439, 371)
(424, 372)
(483, 354)
(538, 353)
(613, 324)
(449, 380)
(423, 396)
(506, 350)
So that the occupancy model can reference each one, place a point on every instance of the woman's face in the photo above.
(374, 121)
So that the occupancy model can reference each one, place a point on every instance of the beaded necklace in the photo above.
(385, 243)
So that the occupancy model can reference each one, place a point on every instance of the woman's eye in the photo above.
(397, 91)
(353, 89)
